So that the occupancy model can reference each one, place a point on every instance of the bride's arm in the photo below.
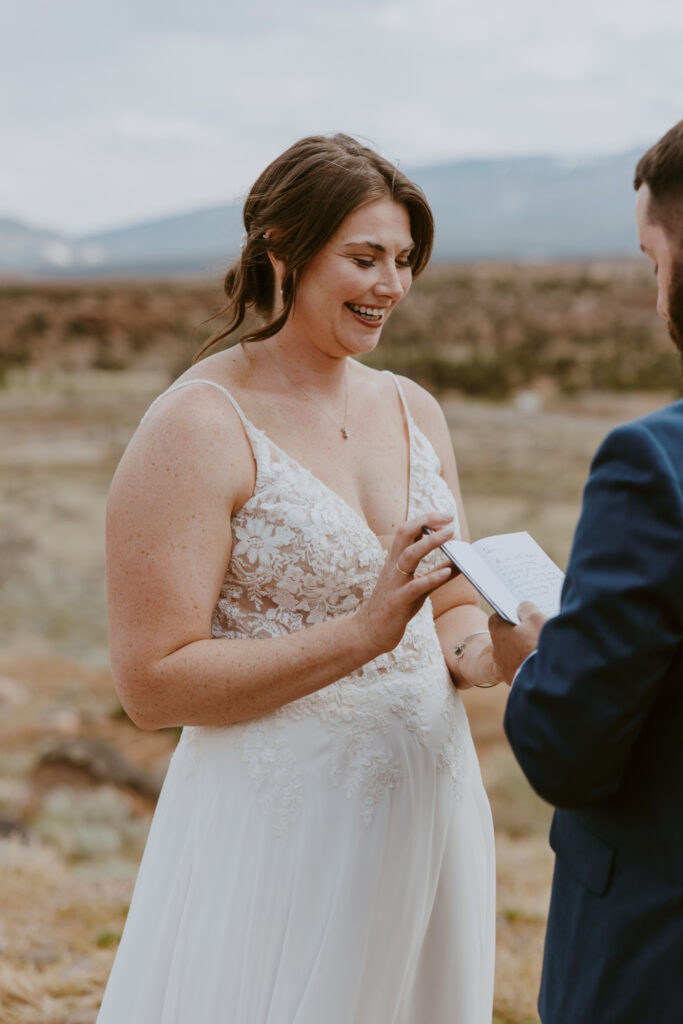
(169, 541)
(457, 613)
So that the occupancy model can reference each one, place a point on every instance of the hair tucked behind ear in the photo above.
(294, 208)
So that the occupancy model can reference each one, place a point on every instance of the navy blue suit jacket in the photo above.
(595, 719)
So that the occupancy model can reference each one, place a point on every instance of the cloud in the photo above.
(117, 112)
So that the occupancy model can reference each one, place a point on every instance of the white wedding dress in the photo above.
(331, 862)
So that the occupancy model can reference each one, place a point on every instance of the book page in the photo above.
(484, 578)
(526, 569)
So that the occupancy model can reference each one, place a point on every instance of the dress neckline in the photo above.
(319, 481)
(251, 427)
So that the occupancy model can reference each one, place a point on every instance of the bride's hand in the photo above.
(399, 593)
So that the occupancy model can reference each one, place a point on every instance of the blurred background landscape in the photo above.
(132, 132)
(533, 364)
(522, 208)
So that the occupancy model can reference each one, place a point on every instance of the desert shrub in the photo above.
(586, 282)
(481, 329)
(552, 284)
(107, 355)
(472, 375)
(617, 373)
(489, 378)
(86, 824)
(34, 324)
(87, 325)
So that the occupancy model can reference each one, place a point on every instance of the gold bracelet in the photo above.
(460, 648)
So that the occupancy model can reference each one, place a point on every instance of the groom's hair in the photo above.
(661, 169)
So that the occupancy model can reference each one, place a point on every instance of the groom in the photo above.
(595, 712)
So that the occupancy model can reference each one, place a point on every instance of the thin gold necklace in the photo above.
(341, 427)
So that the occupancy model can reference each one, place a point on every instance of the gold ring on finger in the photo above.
(402, 571)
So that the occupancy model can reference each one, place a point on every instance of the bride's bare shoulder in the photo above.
(193, 436)
(200, 399)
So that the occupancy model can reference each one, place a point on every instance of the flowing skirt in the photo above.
(341, 917)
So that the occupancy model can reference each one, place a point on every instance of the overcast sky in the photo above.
(118, 111)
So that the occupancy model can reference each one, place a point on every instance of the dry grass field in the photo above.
(72, 828)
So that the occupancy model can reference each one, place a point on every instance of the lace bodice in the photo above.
(302, 555)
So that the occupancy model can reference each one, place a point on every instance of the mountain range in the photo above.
(521, 209)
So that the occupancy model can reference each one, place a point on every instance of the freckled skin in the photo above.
(189, 467)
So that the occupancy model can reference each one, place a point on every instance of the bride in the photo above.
(322, 848)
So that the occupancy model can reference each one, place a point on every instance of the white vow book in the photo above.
(508, 569)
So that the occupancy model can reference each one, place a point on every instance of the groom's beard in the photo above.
(675, 320)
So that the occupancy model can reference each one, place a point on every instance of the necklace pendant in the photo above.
(344, 433)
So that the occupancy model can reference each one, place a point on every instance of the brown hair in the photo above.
(294, 208)
(661, 169)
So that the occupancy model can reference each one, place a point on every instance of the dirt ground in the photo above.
(72, 839)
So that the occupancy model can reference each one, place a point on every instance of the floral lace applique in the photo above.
(273, 770)
(300, 556)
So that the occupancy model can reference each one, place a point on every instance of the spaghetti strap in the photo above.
(402, 396)
(255, 437)
(247, 424)
(411, 438)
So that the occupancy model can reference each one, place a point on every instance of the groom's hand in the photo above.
(512, 644)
